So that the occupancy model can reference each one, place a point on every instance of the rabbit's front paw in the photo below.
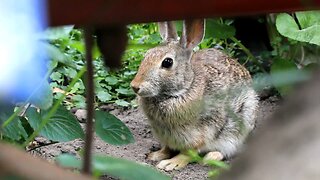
(213, 155)
(175, 163)
(163, 153)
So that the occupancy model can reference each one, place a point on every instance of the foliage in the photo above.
(116, 167)
(217, 166)
(284, 74)
(14, 130)
(111, 86)
(293, 57)
(62, 126)
(111, 130)
(305, 28)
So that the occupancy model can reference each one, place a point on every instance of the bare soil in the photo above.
(144, 142)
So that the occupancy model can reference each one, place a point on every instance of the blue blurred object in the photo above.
(22, 56)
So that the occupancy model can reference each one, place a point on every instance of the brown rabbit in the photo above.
(200, 100)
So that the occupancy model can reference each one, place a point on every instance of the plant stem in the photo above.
(249, 54)
(86, 169)
(54, 108)
(17, 112)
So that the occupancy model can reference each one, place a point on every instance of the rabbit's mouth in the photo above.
(147, 92)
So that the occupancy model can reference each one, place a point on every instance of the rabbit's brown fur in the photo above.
(203, 102)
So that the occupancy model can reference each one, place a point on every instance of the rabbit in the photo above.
(200, 101)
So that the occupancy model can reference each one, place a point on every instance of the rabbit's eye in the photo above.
(167, 63)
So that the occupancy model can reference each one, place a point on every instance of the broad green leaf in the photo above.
(110, 129)
(95, 52)
(310, 33)
(56, 55)
(56, 76)
(55, 33)
(104, 96)
(116, 167)
(154, 39)
(124, 91)
(78, 87)
(78, 45)
(130, 73)
(284, 74)
(308, 18)
(69, 161)
(70, 72)
(121, 102)
(14, 130)
(215, 29)
(261, 80)
(79, 101)
(126, 170)
(42, 96)
(111, 80)
(62, 126)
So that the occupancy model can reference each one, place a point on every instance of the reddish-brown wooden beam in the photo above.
(18, 163)
(98, 12)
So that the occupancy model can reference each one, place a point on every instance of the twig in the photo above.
(86, 169)
(249, 54)
(42, 145)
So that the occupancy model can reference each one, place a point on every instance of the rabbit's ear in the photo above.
(168, 31)
(192, 33)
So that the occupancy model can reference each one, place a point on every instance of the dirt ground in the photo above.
(144, 142)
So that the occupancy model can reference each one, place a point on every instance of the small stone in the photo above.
(81, 115)
(77, 148)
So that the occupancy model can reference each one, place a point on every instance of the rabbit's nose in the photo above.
(135, 88)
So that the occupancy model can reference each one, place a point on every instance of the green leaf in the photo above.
(308, 18)
(55, 33)
(121, 102)
(126, 170)
(104, 96)
(120, 168)
(215, 29)
(284, 74)
(261, 81)
(62, 126)
(79, 101)
(68, 161)
(78, 45)
(96, 52)
(219, 164)
(42, 96)
(69, 72)
(78, 87)
(129, 73)
(110, 129)
(56, 76)
(111, 80)
(310, 24)
(55, 54)
(124, 91)
(14, 130)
